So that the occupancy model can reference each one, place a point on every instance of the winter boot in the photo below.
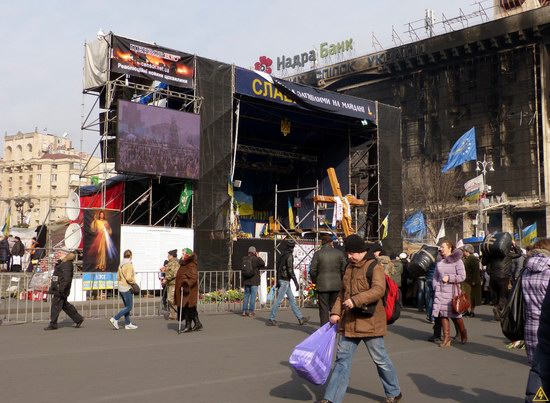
(198, 324)
(446, 327)
(188, 320)
(462, 330)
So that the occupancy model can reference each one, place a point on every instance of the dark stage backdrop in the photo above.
(101, 241)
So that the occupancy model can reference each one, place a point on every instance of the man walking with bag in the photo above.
(326, 271)
(356, 326)
(252, 264)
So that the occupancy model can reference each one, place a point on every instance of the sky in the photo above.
(43, 46)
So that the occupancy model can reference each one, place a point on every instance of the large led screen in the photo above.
(157, 141)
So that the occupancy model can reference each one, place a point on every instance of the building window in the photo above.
(54, 177)
(38, 177)
(54, 166)
(76, 165)
(75, 178)
(39, 167)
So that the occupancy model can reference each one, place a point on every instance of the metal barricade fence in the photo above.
(219, 291)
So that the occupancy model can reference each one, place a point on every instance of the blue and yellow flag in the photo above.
(385, 225)
(6, 227)
(529, 234)
(290, 215)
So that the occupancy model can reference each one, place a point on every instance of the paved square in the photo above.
(236, 359)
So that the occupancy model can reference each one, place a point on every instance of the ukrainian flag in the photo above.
(529, 234)
(290, 215)
(6, 227)
(385, 225)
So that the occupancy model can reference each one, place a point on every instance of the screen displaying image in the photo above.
(157, 141)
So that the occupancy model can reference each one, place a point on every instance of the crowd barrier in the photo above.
(24, 299)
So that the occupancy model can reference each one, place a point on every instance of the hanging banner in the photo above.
(473, 188)
(101, 241)
(264, 86)
(145, 60)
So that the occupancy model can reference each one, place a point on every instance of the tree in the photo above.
(438, 195)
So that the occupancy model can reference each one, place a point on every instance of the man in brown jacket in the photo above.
(355, 326)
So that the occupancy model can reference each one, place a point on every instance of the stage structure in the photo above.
(258, 135)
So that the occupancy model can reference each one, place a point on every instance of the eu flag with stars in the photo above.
(463, 150)
(415, 223)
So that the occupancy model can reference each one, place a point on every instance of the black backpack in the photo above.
(247, 270)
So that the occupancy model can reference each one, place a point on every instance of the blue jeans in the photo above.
(284, 289)
(249, 302)
(128, 300)
(429, 295)
(339, 379)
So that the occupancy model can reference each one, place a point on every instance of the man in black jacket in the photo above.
(60, 289)
(285, 273)
(500, 272)
(251, 280)
(17, 253)
(326, 271)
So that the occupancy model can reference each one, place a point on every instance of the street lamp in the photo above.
(483, 166)
(20, 204)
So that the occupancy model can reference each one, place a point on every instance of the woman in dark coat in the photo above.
(472, 285)
(449, 273)
(4, 253)
(187, 281)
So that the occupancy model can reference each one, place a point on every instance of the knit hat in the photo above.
(402, 255)
(374, 247)
(187, 251)
(252, 249)
(173, 252)
(291, 243)
(468, 248)
(355, 244)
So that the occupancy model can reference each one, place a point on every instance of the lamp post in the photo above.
(20, 204)
(483, 166)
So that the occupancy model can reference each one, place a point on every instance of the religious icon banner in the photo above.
(101, 241)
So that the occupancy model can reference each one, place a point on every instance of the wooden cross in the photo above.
(352, 201)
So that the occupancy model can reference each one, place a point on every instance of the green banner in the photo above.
(185, 198)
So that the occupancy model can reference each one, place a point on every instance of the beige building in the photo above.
(36, 175)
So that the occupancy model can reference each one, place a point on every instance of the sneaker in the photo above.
(114, 322)
(79, 324)
(303, 320)
(271, 322)
(392, 399)
(131, 326)
(51, 328)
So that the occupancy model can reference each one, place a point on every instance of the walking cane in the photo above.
(180, 310)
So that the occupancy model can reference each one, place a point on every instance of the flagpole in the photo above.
(483, 166)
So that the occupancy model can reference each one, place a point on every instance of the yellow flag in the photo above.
(290, 215)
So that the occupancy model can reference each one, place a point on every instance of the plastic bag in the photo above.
(312, 358)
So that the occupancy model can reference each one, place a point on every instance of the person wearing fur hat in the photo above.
(170, 271)
(355, 326)
(187, 291)
(449, 273)
(60, 289)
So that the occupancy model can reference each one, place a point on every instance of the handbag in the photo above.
(460, 301)
(134, 288)
(312, 358)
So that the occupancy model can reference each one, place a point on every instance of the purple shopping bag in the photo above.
(312, 358)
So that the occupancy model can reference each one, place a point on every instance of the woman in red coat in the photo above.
(187, 290)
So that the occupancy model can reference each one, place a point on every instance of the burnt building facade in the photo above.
(491, 76)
